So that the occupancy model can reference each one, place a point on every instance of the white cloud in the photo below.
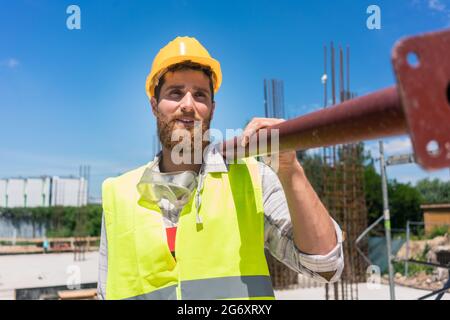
(10, 63)
(412, 173)
(393, 146)
(437, 5)
(440, 8)
(398, 146)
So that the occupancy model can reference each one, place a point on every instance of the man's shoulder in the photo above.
(130, 176)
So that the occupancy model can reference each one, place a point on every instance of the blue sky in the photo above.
(71, 97)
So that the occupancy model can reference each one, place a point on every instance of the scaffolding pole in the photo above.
(387, 221)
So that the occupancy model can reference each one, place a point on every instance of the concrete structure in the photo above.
(43, 192)
(435, 215)
(69, 192)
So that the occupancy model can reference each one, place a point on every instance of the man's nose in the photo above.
(187, 104)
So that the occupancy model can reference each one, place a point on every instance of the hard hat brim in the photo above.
(151, 81)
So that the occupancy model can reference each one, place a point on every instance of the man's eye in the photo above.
(200, 94)
(175, 92)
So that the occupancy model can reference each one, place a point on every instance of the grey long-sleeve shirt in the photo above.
(278, 232)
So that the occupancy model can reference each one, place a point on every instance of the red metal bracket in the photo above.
(424, 89)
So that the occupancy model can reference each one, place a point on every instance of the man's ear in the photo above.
(154, 104)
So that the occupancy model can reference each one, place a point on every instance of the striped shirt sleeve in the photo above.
(278, 234)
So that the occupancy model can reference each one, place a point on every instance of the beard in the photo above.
(187, 141)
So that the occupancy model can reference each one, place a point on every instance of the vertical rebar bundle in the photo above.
(343, 192)
(274, 98)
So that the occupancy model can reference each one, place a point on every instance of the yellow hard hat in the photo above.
(178, 50)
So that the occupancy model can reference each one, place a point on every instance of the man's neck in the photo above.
(167, 165)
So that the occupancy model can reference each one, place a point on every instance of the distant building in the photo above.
(274, 98)
(43, 192)
(435, 215)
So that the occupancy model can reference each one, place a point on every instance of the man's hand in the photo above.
(286, 161)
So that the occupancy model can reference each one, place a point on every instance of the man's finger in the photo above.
(249, 130)
(246, 136)
(255, 125)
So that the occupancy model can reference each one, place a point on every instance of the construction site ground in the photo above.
(42, 270)
(364, 293)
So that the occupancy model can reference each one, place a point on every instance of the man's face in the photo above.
(184, 101)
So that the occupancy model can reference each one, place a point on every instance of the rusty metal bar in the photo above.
(351, 121)
(419, 106)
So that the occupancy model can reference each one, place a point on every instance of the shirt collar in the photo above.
(213, 161)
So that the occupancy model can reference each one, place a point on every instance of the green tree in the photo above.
(374, 197)
(404, 203)
(404, 199)
(434, 191)
(60, 221)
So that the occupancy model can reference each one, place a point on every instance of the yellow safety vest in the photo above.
(222, 258)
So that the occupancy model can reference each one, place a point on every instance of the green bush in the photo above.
(438, 231)
(413, 268)
(60, 221)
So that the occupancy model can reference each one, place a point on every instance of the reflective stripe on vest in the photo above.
(227, 288)
(168, 293)
(218, 288)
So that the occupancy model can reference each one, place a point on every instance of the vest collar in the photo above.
(213, 161)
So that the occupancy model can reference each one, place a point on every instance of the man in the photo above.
(197, 229)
